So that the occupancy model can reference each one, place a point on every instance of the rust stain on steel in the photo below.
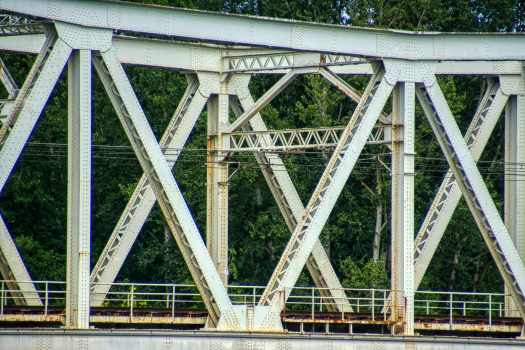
(148, 319)
(480, 327)
(31, 318)
(343, 321)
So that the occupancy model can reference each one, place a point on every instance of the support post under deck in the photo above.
(217, 178)
(403, 205)
(514, 198)
(79, 189)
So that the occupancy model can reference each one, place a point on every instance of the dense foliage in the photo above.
(33, 202)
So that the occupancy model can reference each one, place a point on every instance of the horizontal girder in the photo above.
(208, 58)
(277, 33)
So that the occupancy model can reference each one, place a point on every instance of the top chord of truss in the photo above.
(275, 33)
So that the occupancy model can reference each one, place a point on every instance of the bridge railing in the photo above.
(308, 299)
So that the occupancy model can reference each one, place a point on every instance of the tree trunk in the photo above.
(379, 217)
(455, 261)
(476, 274)
(168, 276)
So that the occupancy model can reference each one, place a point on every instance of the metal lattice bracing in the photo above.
(16, 129)
(142, 201)
(285, 60)
(474, 191)
(164, 186)
(291, 207)
(449, 193)
(332, 181)
(405, 63)
(296, 139)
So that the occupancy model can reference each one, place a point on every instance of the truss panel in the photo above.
(474, 190)
(449, 193)
(262, 102)
(143, 199)
(27, 108)
(165, 188)
(291, 207)
(328, 189)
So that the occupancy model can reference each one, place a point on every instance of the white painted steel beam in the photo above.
(402, 276)
(165, 188)
(275, 33)
(348, 90)
(514, 159)
(11, 265)
(514, 196)
(291, 207)
(12, 268)
(262, 102)
(474, 190)
(217, 184)
(328, 189)
(28, 44)
(28, 107)
(449, 193)
(28, 87)
(79, 190)
(7, 80)
(196, 57)
(141, 202)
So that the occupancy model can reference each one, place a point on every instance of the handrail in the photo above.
(174, 295)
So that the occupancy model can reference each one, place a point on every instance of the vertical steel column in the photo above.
(403, 204)
(514, 199)
(79, 189)
(217, 182)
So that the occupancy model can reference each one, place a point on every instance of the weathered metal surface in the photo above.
(196, 317)
(467, 327)
(157, 339)
(295, 139)
(149, 319)
(296, 48)
(276, 33)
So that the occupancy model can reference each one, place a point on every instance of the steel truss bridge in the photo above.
(106, 35)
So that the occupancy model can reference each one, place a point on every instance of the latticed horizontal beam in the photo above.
(286, 60)
(13, 25)
(296, 139)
